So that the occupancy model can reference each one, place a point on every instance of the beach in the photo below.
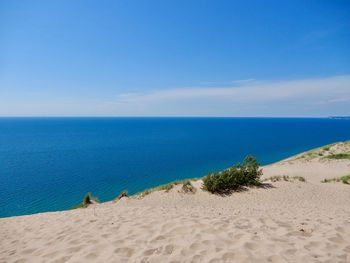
(285, 220)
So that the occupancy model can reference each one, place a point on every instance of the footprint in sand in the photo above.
(251, 246)
(74, 249)
(62, 259)
(91, 255)
(194, 246)
(312, 245)
(158, 238)
(337, 239)
(124, 251)
(168, 249)
(228, 256)
(197, 259)
(152, 251)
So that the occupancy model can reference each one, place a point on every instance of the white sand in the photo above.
(287, 222)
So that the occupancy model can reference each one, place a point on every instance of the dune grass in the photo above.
(286, 178)
(88, 199)
(188, 188)
(339, 156)
(167, 187)
(326, 148)
(310, 155)
(121, 195)
(344, 179)
(326, 152)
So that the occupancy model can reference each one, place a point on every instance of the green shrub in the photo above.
(246, 174)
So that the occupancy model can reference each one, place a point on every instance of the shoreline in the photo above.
(291, 220)
(180, 181)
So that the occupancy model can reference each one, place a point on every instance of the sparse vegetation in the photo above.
(344, 179)
(165, 187)
(327, 151)
(122, 194)
(286, 178)
(233, 178)
(310, 155)
(339, 156)
(88, 199)
(187, 187)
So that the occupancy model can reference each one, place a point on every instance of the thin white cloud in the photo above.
(307, 97)
(274, 98)
(242, 81)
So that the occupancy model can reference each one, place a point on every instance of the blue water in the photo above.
(48, 164)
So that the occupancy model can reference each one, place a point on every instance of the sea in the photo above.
(48, 164)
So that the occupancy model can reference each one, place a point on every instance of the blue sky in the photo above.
(174, 58)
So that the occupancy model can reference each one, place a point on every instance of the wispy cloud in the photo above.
(305, 97)
(251, 98)
(242, 81)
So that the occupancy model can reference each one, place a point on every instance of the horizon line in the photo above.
(159, 116)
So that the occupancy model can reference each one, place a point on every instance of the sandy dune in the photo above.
(283, 222)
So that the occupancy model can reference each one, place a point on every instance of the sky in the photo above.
(175, 58)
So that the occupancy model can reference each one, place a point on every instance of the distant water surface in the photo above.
(48, 164)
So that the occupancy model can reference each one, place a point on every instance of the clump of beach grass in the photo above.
(286, 178)
(344, 179)
(88, 199)
(165, 187)
(326, 148)
(122, 195)
(187, 187)
(310, 155)
(339, 156)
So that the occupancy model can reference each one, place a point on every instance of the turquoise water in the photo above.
(48, 164)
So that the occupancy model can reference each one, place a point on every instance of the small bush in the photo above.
(246, 174)
(187, 187)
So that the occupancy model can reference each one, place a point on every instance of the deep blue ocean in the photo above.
(48, 164)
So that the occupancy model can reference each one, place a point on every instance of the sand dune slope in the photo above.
(283, 222)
